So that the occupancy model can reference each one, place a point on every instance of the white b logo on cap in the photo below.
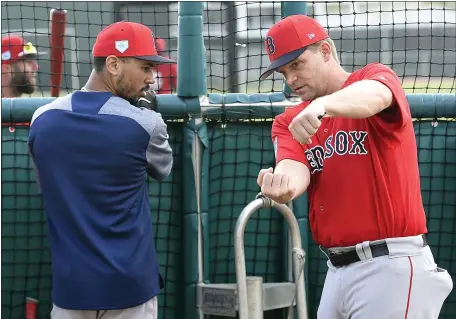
(122, 46)
(270, 45)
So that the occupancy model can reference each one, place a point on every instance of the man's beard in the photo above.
(122, 91)
(21, 84)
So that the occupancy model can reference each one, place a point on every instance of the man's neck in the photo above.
(97, 83)
(338, 77)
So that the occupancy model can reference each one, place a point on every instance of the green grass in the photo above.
(409, 84)
(429, 85)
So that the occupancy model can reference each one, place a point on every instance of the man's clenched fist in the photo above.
(306, 123)
(276, 186)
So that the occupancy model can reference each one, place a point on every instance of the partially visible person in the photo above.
(165, 74)
(19, 66)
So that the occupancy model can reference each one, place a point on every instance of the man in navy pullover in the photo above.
(92, 150)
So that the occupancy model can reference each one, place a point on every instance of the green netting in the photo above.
(26, 268)
(437, 159)
(417, 39)
(26, 263)
(237, 151)
(84, 21)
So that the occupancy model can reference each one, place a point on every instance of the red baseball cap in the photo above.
(289, 38)
(14, 48)
(128, 39)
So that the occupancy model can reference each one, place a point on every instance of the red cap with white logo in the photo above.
(128, 39)
(289, 38)
(14, 48)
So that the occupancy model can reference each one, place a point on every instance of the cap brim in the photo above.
(281, 61)
(156, 59)
(32, 55)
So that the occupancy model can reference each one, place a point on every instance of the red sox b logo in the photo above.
(270, 45)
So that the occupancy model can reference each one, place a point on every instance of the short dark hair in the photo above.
(100, 62)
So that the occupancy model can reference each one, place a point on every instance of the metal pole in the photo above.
(196, 157)
(290, 264)
(241, 276)
(298, 255)
(191, 68)
(255, 291)
(298, 258)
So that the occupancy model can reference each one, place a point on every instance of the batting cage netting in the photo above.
(416, 39)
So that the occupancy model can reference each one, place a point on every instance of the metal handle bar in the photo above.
(241, 277)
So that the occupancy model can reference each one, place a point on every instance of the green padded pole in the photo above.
(195, 168)
(168, 105)
(191, 61)
(191, 83)
(190, 222)
(290, 8)
(422, 105)
(293, 7)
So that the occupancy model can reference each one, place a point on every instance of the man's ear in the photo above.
(112, 65)
(325, 50)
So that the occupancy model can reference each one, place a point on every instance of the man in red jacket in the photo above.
(351, 145)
